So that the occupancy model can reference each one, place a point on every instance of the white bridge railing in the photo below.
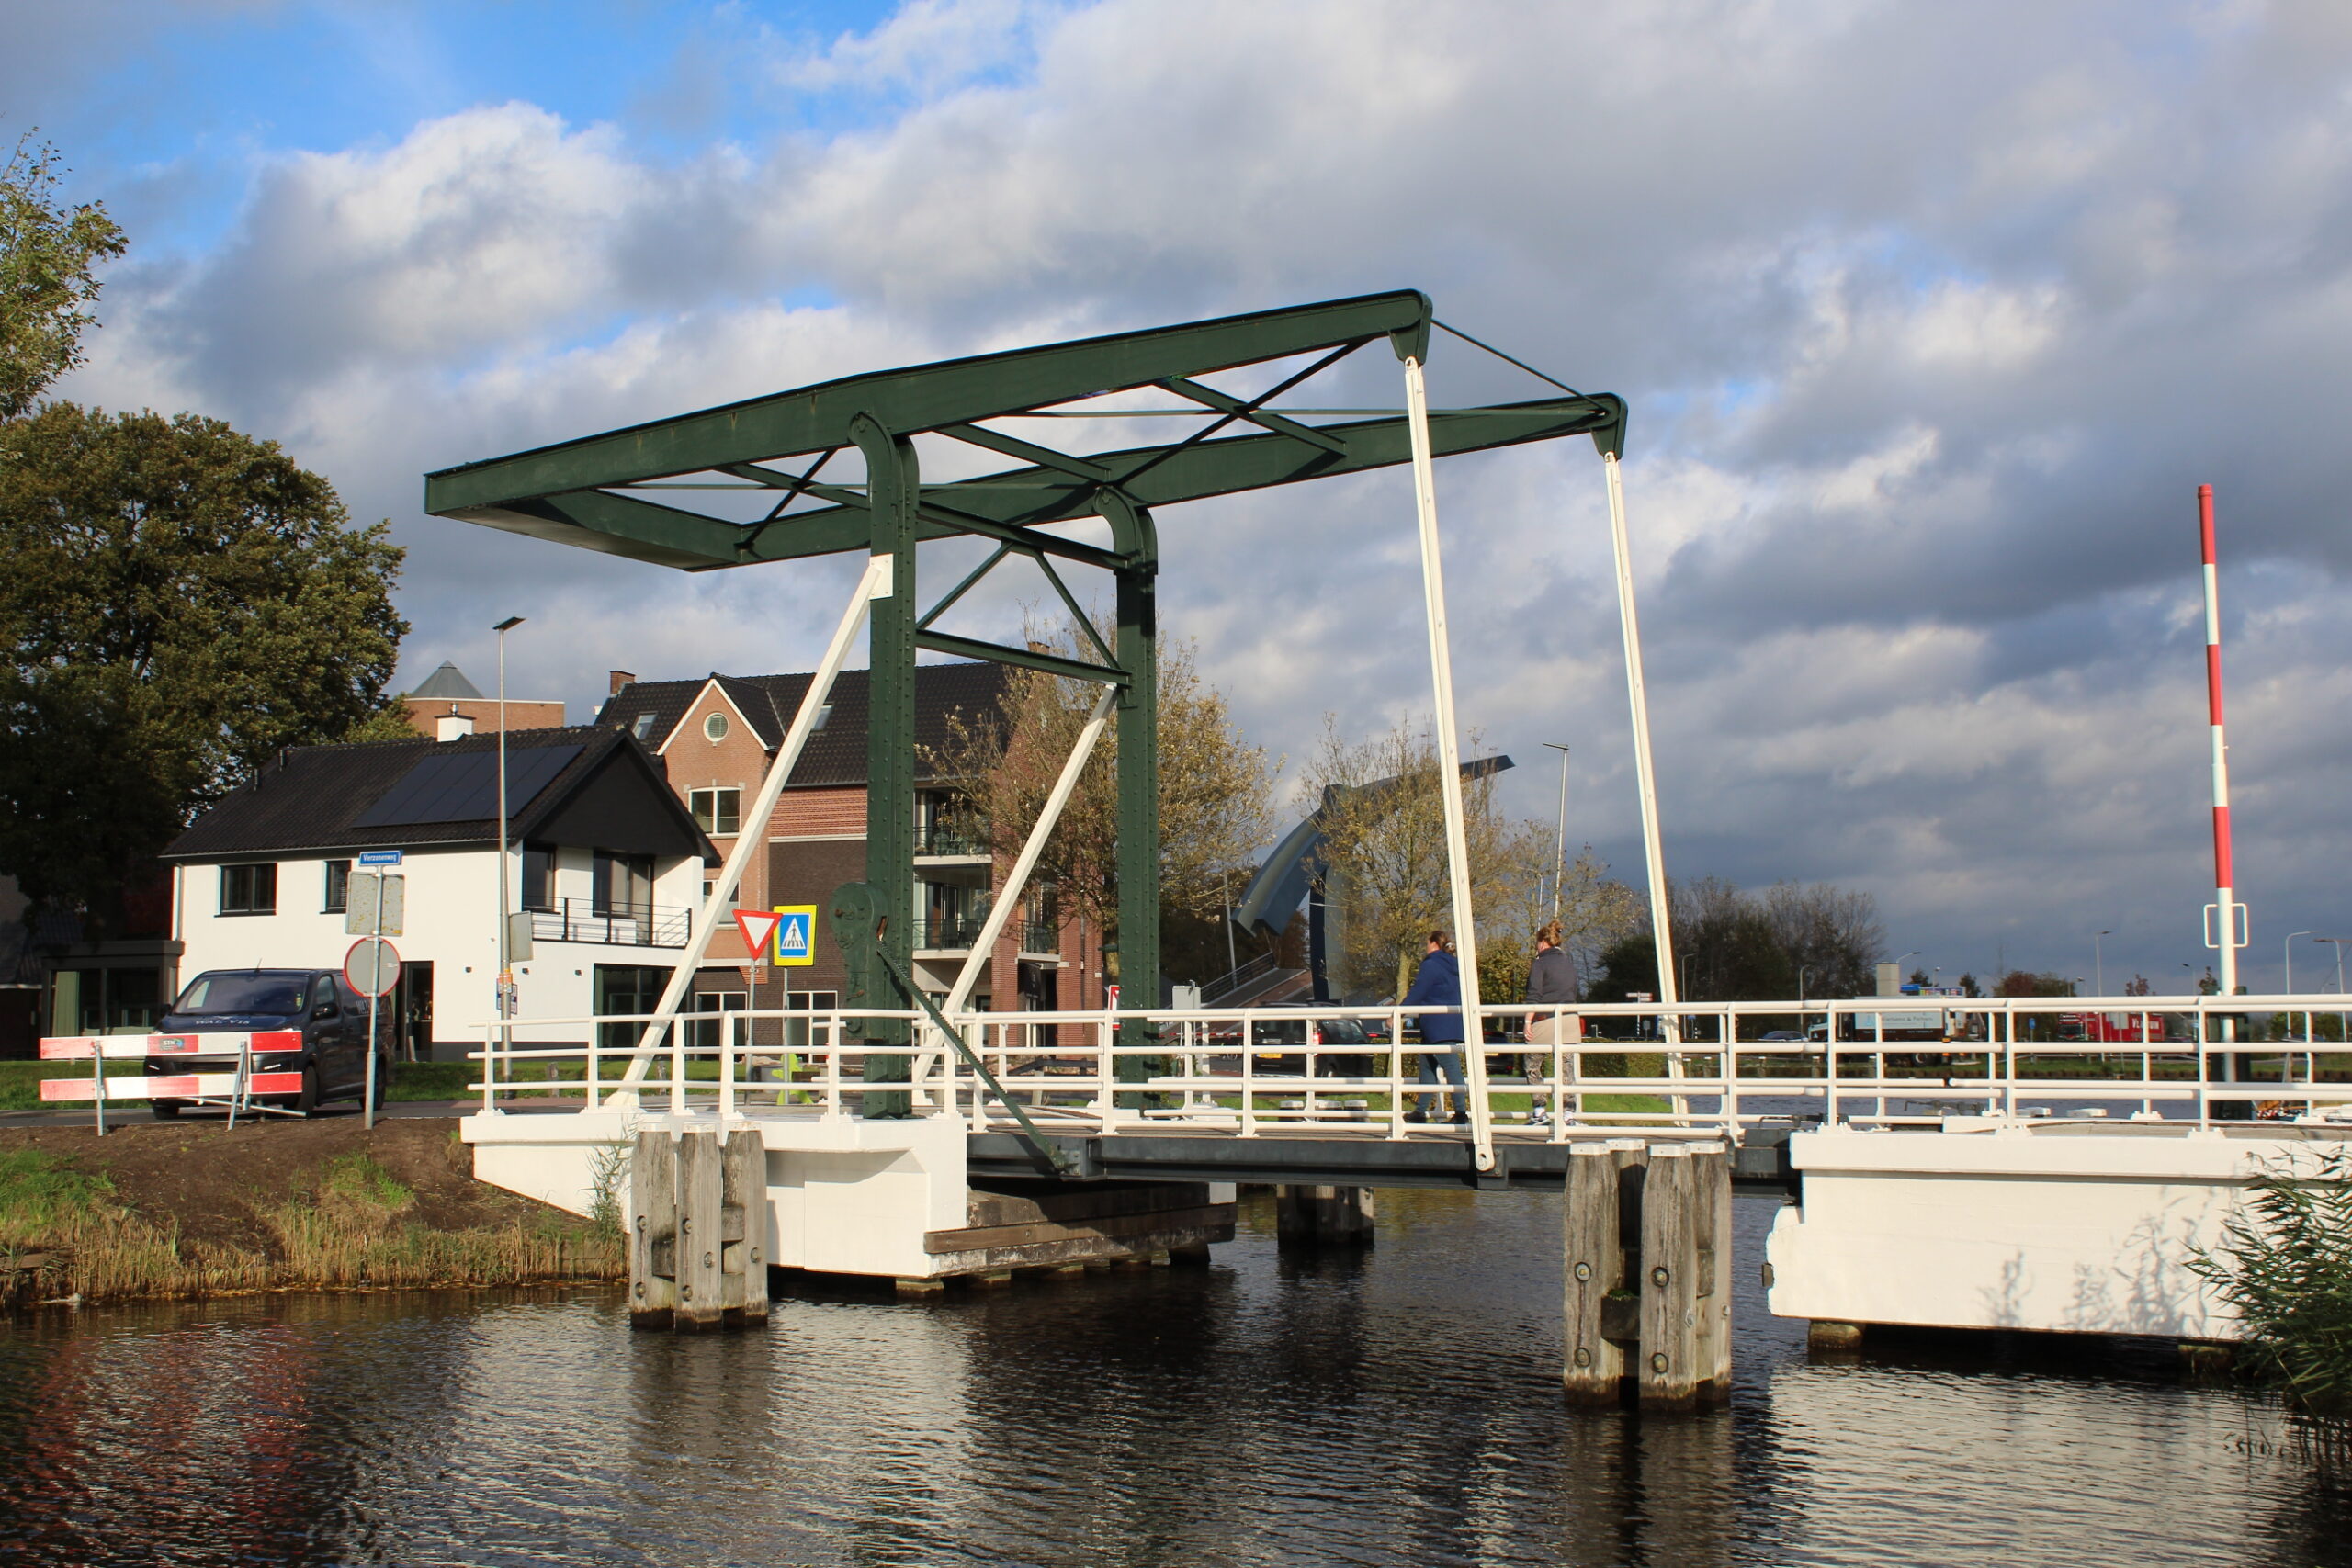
(1254, 1071)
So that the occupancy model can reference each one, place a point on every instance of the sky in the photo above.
(1931, 319)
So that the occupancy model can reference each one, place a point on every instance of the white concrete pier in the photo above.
(2081, 1226)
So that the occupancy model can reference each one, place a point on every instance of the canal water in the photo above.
(1399, 1408)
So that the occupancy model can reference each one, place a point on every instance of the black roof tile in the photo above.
(311, 798)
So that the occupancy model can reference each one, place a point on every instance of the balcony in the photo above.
(948, 933)
(1036, 936)
(949, 839)
(611, 925)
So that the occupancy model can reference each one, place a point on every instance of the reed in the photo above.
(2284, 1262)
(62, 1233)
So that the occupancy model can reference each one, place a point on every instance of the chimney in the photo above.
(620, 678)
(452, 726)
(1890, 979)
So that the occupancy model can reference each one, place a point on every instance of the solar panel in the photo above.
(462, 787)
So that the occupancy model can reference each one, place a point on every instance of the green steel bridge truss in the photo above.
(626, 492)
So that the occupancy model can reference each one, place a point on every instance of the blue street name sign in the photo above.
(380, 857)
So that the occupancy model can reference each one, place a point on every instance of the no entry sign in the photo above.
(372, 968)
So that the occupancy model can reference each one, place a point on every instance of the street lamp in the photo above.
(505, 901)
(2339, 941)
(2098, 960)
(1560, 849)
(1899, 979)
(2287, 950)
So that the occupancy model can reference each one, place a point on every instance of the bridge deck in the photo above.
(1354, 1156)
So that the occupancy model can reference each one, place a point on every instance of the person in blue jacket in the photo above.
(1437, 983)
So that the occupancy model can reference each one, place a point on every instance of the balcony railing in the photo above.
(615, 925)
(1036, 936)
(947, 839)
(948, 933)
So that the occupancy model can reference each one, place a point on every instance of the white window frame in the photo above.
(709, 822)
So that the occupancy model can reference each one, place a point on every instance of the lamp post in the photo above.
(2287, 951)
(505, 901)
(2098, 959)
(1901, 980)
(2339, 941)
(1560, 848)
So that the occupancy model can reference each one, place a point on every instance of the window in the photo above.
(714, 726)
(538, 876)
(622, 885)
(622, 989)
(716, 810)
(338, 892)
(249, 889)
(734, 899)
(643, 728)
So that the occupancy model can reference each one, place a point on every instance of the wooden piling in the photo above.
(1595, 1364)
(653, 1230)
(1668, 1372)
(701, 1206)
(743, 1266)
(1714, 1273)
(698, 1231)
(1324, 1216)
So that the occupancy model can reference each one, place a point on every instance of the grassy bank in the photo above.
(190, 1211)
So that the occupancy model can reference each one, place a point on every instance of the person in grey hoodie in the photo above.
(1551, 982)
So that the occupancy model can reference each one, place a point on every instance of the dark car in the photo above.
(319, 1021)
(1323, 1034)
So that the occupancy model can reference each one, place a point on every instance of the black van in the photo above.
(331, 1017)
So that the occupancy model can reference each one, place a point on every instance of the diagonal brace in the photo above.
(1052, 1150)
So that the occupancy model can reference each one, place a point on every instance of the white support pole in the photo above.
(1669, 991)
(875, 584)
(1448, 764)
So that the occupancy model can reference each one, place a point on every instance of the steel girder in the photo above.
(590, 493)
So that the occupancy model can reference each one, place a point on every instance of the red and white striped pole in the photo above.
(2223, 917)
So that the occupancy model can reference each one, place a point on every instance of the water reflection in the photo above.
(1397, 1408)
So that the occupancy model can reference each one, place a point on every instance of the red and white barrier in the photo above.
(181, 1086)
(235, 1089)
(83, 1047)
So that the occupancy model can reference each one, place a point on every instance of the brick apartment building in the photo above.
(717, 736)
(446, 693)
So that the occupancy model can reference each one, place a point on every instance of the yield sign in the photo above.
(758, 929)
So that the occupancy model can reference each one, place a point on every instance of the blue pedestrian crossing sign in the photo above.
(796, 935)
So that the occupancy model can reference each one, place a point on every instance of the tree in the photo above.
(1734, 945)
(1215, 788)
(1384, 865)
(2031, 983)
(180, 602)
(46, 287)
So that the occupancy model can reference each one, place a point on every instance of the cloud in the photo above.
(1930, 318)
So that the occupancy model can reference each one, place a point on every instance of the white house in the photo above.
(604, 856)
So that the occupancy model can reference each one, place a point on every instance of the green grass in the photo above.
(37, 1192)
(20, 1082)
(358, 1176)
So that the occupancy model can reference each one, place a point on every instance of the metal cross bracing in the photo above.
(634, 491)
(1275, 1094)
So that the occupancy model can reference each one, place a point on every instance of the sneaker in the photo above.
(1417, 1118)
(1460, 1118)
(1539, 1117)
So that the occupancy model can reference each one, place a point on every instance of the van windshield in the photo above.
(248, 991)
